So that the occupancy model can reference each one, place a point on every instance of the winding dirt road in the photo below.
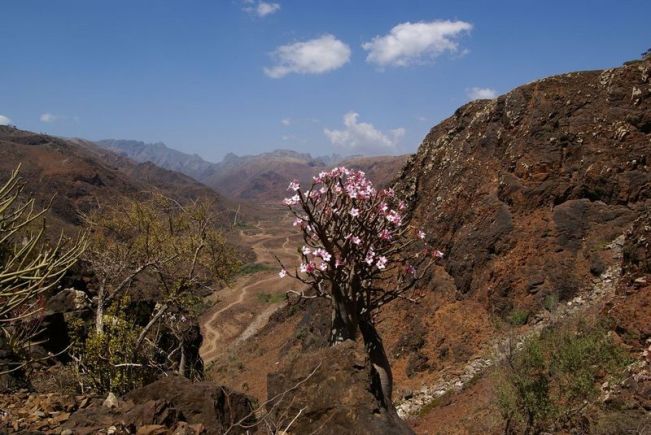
(239, 312)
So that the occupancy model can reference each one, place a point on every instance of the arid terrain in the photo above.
(539, 201)
(243, 308)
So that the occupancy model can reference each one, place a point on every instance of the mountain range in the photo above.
(260, 177)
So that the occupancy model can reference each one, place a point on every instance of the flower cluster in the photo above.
(351, 227)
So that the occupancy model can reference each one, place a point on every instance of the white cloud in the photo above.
(265, 9)
(4, 120)
(481, 93)
(316, 56)
(261, 8)
(286, 122)
(48, 117)
(410, 43)
(364, 137)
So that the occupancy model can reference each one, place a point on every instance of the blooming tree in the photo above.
(359, 252)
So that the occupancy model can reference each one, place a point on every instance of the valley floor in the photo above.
(241, 310)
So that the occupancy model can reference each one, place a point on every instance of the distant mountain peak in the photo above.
(255, 177)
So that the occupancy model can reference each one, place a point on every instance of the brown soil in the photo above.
(243, 309)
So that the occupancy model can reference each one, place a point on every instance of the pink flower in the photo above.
(291, 201)
(438, 254)
(421, 234)
(306, 250)
(381, 262)
(394, 217)
(354, 212)
(410, 269)
(306, 268)
(323, 266)
(294, 186)
(385, 234)
(370, 257)
(325, 255)
(282, 273)
(356, 240)
(297, 222)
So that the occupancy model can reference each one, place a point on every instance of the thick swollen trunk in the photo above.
(382, 383)
(345, 326)
(344, 320)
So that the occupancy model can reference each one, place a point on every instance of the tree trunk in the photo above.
(345, 324)
(183, 358)
(382, 384)
(344, 320)
(99, 314)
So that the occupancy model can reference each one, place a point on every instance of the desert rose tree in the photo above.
(360, 253)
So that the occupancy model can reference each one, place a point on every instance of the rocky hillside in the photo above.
(524, 191)
(78, 176)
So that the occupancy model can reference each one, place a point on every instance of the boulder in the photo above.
(67, 300)
(328, 391)
(173, 404)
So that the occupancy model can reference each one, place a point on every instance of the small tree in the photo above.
(29, 268)
(360, 253)
(175, 251)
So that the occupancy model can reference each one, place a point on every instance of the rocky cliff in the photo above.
(523, 192)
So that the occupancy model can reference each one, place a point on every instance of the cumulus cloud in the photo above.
(48, 117)
(4, 120)
(364, 137)
(261, 8)
(412, 43)
(481, 93)
(286, 122)
(316, 56)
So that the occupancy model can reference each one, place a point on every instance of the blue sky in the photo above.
(247, 76)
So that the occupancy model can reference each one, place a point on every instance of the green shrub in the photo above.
(550, 302)
(270, 298)
(548, 380)
(252, 268)
(107, 361)
(518, 317)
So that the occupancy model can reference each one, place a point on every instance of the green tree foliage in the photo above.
(155, 250)
(109, 359)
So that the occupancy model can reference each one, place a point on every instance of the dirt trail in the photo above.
(239, 314)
